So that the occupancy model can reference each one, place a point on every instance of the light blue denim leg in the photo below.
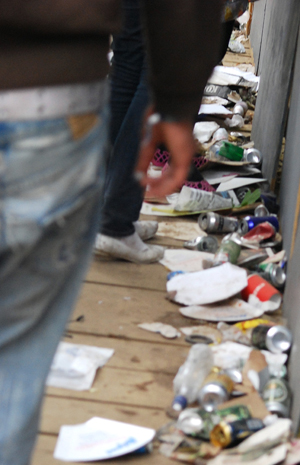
(50, 191)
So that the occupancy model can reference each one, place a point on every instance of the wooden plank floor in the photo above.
(135, 386)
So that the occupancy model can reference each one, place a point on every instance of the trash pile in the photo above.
(232, 398)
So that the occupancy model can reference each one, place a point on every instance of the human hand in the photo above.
(179, 140)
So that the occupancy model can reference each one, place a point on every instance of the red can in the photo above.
(262, 294)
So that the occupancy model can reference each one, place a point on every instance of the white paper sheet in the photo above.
(203, 131)
(238, 182)
(231, 310)
(99, 439)
(184, 260)
(207, 286)
(74, 365)
(164, 210)
(214, 109)
(219, 176)
(229, 354)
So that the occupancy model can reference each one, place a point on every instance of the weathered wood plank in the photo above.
(135, 388)
(122, 309)
(152, 276)
(137, 355)
(61, 411)
(45, 446)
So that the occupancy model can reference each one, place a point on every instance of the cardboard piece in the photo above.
(254, 403)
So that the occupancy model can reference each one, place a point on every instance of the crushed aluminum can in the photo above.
(240, 108)
(252, 156)
(229, 251)
(276, 339)
(203, 244)
(249, 222)
(261, 210)
(213, 222)
(277, 397)
(228, 434)
(215, 390)
(273, 273)
(190, 422)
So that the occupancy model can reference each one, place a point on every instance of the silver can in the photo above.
(261, 210)
(213, 222)
(190, 422)
(276, 339)
(252, 156)
(277, 397)
(240, 108)
(208, 244)
(215, 390)
(274, 274)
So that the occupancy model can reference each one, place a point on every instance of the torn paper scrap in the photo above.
(100, 439)
(164, 210)
(238, 182)
(185, 260)
(207, 331)
(231, 354)
(167, 331)
(179, 230)
(74, 365)
(263, 457)
(231, 310)
(215, 109)
(207, 286)
(191, 199)
(203, 131)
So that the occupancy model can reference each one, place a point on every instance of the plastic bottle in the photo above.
(225, 150)
(191, 375)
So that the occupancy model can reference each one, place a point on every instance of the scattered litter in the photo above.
(216, 100)
(167, 331)
(203, 131)
(179, 230)
(207, 286)
(236, 47)
(231, 354)
(261, 294)
(185, 260)
(191, 199)
(74, 366)
(100, 439)
(127, 298)
(231, 310)
(207, 331)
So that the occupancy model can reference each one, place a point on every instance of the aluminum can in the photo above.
(213, 222)
(241, 192)
(228, 434)
(249, 222)
(208, 244)
(277, 397)
(239, 109)
(261, 210)
(273, 273)
(228, 251)
(199, 423)
(252, 156)
(215, 390)
(277, 338)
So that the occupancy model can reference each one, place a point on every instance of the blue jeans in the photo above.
(129, 98)
(50, 194)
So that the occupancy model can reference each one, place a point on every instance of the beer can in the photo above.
(252, 156)
(276, 339)
(277, 397)
(228, 251)
(273, 273)
(249, 222)
(228, 434)
(208, 244)
(215, 390)
(261, 210)
(213, 222)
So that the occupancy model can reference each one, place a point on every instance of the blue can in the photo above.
(249, 222)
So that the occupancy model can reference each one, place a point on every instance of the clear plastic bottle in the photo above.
(191, 375)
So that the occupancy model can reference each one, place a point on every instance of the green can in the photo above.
(273, 273)
(229, 251)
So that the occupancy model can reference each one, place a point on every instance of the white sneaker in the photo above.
(146, 229)
(130, 248)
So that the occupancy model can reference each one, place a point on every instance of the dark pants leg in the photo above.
(129, 98)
